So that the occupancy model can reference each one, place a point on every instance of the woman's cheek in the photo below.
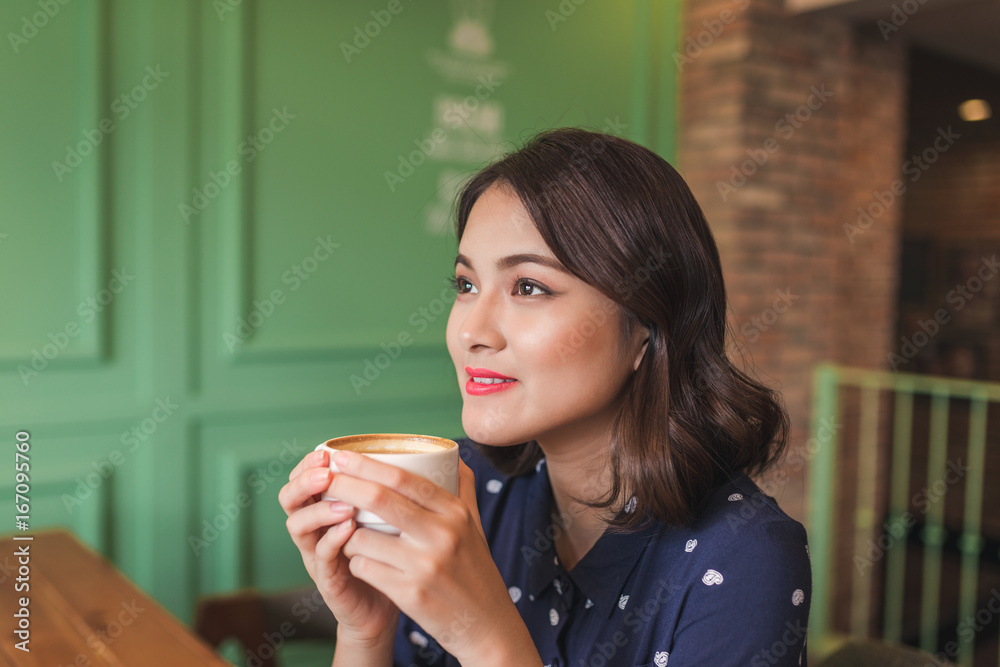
(546, 345)
(451, 332)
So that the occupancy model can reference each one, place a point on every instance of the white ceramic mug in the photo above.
(433, 458)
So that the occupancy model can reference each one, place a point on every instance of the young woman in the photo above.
(605, 514)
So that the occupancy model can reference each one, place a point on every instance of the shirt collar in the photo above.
(603, 571)
(537, 537)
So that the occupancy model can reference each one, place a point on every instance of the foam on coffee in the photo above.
(387, 445)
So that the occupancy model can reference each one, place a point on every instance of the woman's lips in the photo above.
(497, 382)
(474, 388)
(486, 373)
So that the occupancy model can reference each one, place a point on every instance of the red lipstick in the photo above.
(498, 382)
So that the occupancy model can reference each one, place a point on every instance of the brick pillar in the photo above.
(788, 124)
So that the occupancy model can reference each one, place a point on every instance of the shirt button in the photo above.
(553, 617)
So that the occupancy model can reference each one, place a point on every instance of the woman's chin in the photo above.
(483, 436)
(486, 430)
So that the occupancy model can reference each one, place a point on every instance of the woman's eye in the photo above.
(461, 285)
(525, 289)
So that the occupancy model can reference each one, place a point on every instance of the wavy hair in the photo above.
(621, 219)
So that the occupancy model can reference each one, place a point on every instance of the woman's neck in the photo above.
(577, 466)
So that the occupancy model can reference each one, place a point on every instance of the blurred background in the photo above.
(227, 232)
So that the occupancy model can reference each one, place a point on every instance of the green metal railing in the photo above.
(824, 473)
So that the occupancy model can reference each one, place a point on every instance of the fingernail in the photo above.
(343, 458)
(319, 457)
(320, 476)
(339, 506)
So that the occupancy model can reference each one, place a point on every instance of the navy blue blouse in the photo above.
(733, 588)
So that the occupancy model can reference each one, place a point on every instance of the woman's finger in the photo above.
(304, 524)
(384, 547)
(384, 578)
(467, 491)
(328, 549)
(421, 491)
(382, 499)
(310, 460)
(300, 490)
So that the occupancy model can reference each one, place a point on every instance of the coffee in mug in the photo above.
(433, 458)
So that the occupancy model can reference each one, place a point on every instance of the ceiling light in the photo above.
(974, 110)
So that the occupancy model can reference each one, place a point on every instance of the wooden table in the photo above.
(85, 613)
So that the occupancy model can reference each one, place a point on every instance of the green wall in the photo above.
(170, 169)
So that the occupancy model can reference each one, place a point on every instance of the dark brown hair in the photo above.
(688, 418)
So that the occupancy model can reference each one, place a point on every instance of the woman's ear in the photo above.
(638, 358)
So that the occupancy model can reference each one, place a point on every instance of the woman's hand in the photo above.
(439, 570)
(319, 528)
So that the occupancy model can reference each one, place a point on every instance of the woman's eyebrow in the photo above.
(513, 260)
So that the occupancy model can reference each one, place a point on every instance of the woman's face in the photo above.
(520, 315)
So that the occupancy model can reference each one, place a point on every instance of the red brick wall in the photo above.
(783, 228)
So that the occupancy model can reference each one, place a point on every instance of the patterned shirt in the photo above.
(732, 588)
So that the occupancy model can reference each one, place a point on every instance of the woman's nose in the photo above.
(481, 325)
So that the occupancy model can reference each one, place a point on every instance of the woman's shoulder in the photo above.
(742, 563)
(740, 502)
(741, 536)
(739, 513)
